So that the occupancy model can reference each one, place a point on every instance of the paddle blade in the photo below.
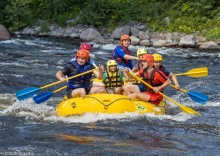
(188, 110)
(26, 93)
(198, 97)
(196, 72)
(42, 97)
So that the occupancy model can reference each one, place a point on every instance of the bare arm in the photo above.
(60, 76)
(165, 84)
(129, 57)
(126, 71)
(99, 73)
(174, 78)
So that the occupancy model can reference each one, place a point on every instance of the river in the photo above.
(27, 128)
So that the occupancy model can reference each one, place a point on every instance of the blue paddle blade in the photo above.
(26, 93)
(42, 97)
(198, 97)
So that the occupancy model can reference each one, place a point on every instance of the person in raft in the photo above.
(112, 78)
(122, 55)
(135, 86)
(158, 64)
(81, 85)
(154, 77)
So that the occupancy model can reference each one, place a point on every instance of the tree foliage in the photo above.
(185, 16)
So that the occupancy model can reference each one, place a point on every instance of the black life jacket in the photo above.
(80, 81)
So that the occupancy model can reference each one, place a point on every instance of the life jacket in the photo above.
(119, 59)
(164, 70)
(149, 78)
(80, 81)
(112, 79)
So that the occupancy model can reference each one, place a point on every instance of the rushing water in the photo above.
(30, 129)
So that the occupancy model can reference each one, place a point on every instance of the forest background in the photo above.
(201, 17)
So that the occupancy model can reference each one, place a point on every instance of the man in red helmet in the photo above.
(122, 55)
(80, 85)
(154, 77)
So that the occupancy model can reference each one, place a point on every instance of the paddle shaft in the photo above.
(52, 84)
(183, 108)
(181, 89)
(59, 89)
(46, 95)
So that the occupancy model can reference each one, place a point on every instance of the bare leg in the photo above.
(78, 92)
(130, 88)
(118, 90)
(98, 84)
(95, 90)
(140, 96)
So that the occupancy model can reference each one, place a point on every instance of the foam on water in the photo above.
(13, 64)
(43, 112)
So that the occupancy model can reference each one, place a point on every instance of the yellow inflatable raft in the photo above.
(106, 103)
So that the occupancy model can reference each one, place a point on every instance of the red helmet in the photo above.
(85, 46)
(83, 53)
(149, 58)
(125, 37)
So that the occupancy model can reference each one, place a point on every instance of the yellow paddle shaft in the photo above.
(59, 89)
(181, 89)
(183, 108)
(52, 84)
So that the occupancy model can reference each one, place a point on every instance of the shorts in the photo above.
(69, 92)
(155, 98)
(110, 90)
(142, 87)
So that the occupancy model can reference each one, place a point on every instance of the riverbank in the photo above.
(140, 35)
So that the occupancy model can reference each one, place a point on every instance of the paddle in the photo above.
(31, 91)
(196, 72)
(185, 109)
(195, 96)
(46, 95)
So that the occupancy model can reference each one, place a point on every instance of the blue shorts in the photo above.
(142, 87)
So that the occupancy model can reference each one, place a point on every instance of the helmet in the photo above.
(111, 63)
(125, 37)
(141, 51)
(83, 53)
(149, 58)
(157, 57)
(85, 46)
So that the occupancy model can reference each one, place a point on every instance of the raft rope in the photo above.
(129, 99)
(107, 105)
